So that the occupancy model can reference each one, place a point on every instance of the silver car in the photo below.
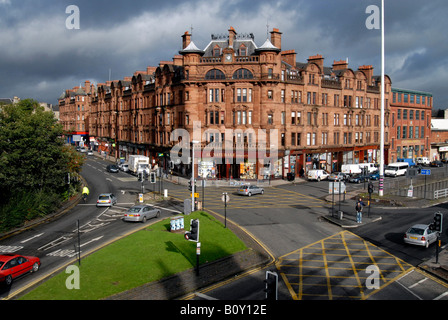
(250, 190)
(141, 213)
(106, 200)
(420, 235)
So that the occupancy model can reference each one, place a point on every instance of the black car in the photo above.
(112, 168)
(436, 164)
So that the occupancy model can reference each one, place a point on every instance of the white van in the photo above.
(370, 167)
(317, 175)
(396, 169)
(424, 161)
(350, 168)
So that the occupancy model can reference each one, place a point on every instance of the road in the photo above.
(314, 258)
(56, 242)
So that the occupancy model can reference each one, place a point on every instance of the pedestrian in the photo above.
(358, 208)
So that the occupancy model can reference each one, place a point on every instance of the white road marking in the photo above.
(36, 236)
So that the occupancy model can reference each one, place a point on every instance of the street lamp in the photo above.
(192, 176)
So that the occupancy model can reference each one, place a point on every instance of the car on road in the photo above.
(14, 265)
(106, 200)
(436, 164)
(358, 178)
(124, 167)
(141, 213)
(249, 190)
(374, 176)
(90, 153)
(420, 235)
(112, 168)
(337, 176)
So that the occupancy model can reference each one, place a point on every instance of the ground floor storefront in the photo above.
(241, 164)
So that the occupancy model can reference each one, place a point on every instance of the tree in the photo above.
(32, 153)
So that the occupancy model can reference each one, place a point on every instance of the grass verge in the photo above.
(148, 255)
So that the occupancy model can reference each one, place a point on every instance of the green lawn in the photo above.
(148, 255)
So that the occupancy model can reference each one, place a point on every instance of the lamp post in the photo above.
(192, 176)
(381, 180)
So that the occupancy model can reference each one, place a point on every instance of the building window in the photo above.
(215, 74)
(250, 118)
(270, 94)
(242, 74)
(270, 119)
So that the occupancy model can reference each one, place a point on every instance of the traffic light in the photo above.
(145, 174)
(190, 185)
(140, 176)
(152, 177)
(370, 187)
(437, 223)
(193, 234)
(271, 285)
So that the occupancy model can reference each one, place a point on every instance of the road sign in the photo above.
(334, 187)
(225, 197)
(196, 194)
(426, 172)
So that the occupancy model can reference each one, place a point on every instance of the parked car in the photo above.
(90, 153)
(420, 235)
(436, 163)
(124, 167)
(106, 200)
(141, 213)
(317, 174)
(14, 265)
(250, 190)
(112, 168)
(374, 176)
(337, 176)
(358, 178)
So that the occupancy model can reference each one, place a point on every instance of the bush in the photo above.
(23, 207)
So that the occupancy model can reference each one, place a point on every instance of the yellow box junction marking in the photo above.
(335, 268)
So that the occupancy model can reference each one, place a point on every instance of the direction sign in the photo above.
(196, 194)
(333, 187)
(426, 172)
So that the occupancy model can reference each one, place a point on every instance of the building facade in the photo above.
(74, 113)
(237, 98)
(410, 124)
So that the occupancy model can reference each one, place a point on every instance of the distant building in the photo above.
(410, 124)
(439, 137)
(74, 112)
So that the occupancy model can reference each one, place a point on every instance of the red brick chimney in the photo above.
(317, 59)
(186, 38)
(276, 38)
(340, 65)
(232, 34)
(289, 56)
(368, 71)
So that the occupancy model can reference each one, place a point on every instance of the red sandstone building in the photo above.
(324, 116)
(74, 112)
(410, 124)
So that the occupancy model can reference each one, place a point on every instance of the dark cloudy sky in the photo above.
(40, 57)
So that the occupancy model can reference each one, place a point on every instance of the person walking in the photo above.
(358, 208)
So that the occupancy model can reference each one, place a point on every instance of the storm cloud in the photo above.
(40, 57)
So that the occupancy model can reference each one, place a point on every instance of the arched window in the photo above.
(242, 74)
(215, 74)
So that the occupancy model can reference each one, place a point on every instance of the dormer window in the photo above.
(243, 50)
(216, 51)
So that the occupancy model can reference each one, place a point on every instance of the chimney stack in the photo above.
(276, 38)
(186, 38)
(232, 34)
